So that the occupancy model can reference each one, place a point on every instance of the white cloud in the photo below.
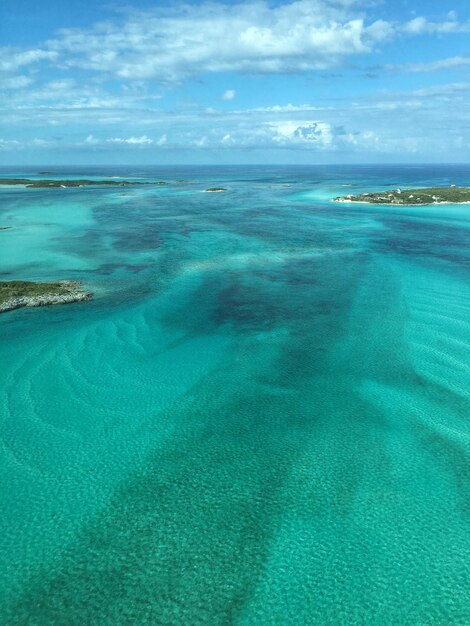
(380, 30)
(433, 66)
(210, 111)
(91, 140)
(213, 37)
(41, 143)
(11, 59)
(169, 44)
(96, 112)
(136, 141)
(285, 108)
(201, 142)
(71, 101)
(365, 126)
(105, 143)
(9, 144)
(448, 90)
(252, 132)
(420, 25)
(229, 94)
(314, 133)
(15, 82)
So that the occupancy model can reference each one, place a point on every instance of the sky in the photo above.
(196, 82)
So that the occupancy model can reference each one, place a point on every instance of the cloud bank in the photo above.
(97, 88)
(169, 45)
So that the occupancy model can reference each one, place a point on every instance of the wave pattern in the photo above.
(261, 419)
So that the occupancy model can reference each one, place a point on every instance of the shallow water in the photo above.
(262, 417)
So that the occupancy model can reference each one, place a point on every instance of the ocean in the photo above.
(262, 418)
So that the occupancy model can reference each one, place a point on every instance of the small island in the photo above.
(215, 189)
(51, 183)
(15, 294)
(410, 197)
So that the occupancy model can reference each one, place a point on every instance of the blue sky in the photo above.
(312, 81)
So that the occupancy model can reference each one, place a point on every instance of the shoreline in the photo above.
(74, 183)
(69, 291)
(411, 196)
(395, 203)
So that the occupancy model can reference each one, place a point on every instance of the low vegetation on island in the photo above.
(52, 183)
(15, 294)
(430, 195)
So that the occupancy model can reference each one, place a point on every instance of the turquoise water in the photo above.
(262, 417)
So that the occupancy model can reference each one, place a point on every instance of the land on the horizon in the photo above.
(42, 183)
(430, 195)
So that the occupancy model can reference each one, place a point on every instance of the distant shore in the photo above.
(412, 197)
(64, 183)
